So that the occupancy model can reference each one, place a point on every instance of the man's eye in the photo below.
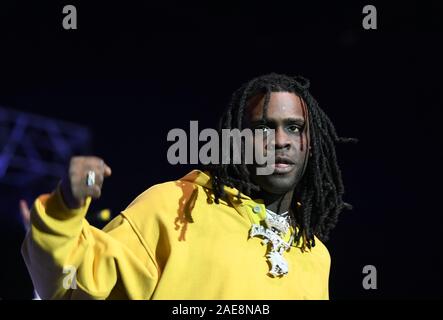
(294, 129)
(265, 129)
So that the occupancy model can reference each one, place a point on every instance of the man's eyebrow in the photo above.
(295, 120)
(300, 121)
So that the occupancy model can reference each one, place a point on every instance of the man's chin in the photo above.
(276, 183)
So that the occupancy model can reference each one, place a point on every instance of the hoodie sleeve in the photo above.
(69, 259)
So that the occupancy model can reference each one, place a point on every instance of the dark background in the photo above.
(131, 72)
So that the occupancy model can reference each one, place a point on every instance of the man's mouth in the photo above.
(283, 165)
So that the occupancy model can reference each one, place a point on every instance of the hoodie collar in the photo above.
(205, 180)
(253, 211)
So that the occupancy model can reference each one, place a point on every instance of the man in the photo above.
(225, 233)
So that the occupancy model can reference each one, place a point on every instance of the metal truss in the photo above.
(34, 147)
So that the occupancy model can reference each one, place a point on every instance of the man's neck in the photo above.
(278, 203)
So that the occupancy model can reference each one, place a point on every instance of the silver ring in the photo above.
(90, 178)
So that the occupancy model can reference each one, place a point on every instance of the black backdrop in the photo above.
(132, 72)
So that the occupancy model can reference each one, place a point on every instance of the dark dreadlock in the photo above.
(320, 190)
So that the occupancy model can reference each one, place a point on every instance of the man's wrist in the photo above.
(68, 199)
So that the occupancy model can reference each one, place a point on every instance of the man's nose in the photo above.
(281, 139)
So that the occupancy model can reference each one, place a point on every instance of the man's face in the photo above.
(285, 116)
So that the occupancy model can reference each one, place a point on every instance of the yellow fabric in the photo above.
(172, 242)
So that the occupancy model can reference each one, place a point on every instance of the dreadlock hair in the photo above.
(320, 190)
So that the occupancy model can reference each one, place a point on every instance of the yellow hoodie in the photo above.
(172, 242)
